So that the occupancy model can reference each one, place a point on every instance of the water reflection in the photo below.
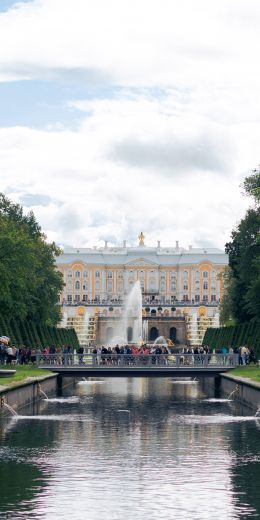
(125, 448)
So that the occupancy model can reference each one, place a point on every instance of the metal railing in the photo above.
(140, 360)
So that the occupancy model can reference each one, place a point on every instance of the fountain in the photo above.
(132, 319)
(194, 335)
(13, 412)
(42, 392)
(145, 331)
(234, 391)
(64, 320)
(161, 340)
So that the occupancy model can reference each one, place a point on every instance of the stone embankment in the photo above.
(244, 390)
(27, 392)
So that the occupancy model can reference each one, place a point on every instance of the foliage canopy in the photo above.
(242, 300)
(29, 282)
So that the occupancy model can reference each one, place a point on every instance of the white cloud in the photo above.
(132, 42)
(167, 152)
(100, 197)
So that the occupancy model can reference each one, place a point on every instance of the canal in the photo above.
(131, 449)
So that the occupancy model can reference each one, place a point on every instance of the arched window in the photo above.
(85, 274)
(197, 285)
(173, 334)
(185, 285)
(110, 274)
(185, 275)
(173, 286)
(197, 275)
(77, 286)
(205, 274)
(77, 274)
(205, 285)
(153, 333)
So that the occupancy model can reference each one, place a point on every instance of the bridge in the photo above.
(128, 365)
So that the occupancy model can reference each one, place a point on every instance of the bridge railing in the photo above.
(140, 360)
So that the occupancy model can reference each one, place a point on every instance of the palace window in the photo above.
(185, 298)
(197, 297)
(85, 287)
(173, 286)
(162, 285)
(97, 274)
(84, 297)
(77, 274)
(69, 297)
(77, 298)
(205, 297)
(69, 284)
(185, 286)
(109, 286)
(197, 285)
(213, 297)
(205, 274)
(97, 286)
(185, 275)
(110, 274)
(205, 286)
(69, 274)
(197, 275)
(120, 275)
(173, 275)
(77, 286)
(85, 274)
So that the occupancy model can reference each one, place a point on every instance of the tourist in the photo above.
(252, 356)
(2, 352)
(9, 352)
(80, 353)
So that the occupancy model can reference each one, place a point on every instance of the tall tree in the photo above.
(244, 258)
(29, 281)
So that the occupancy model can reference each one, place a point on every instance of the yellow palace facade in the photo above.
(174, 281)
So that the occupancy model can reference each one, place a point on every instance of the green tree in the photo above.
(30, 282)
(243, 294)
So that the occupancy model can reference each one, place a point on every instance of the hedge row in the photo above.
(32, 334)
(235, 336)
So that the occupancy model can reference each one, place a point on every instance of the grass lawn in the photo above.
(22, 372)
(248, 371)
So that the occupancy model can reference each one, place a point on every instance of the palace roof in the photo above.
(142, 255)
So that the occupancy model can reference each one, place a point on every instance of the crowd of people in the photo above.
(127, 354)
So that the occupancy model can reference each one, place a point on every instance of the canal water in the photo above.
(131, 449)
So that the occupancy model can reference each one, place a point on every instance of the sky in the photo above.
(130, 115)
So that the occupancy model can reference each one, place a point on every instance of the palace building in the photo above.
(178, 285)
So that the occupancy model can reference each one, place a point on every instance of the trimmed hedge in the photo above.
(234, 336)
(35, 335)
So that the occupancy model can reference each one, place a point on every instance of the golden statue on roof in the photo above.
(141, 239)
